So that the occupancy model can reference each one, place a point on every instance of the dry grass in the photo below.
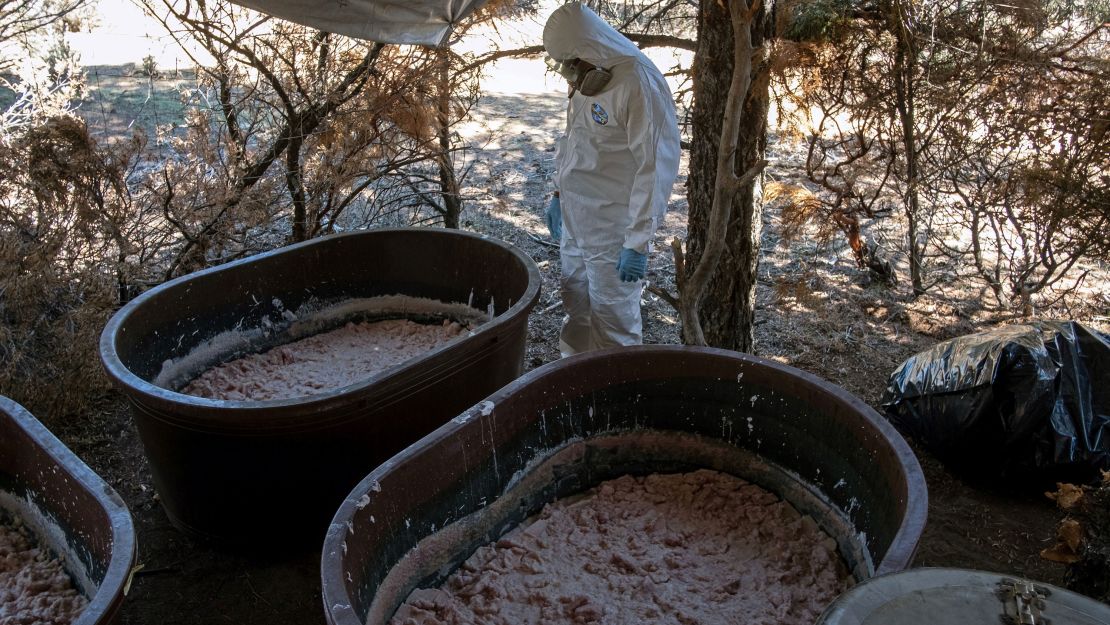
(120, 100)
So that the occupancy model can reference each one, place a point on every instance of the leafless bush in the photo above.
(63, 258)
(951, 116)
(303, 132)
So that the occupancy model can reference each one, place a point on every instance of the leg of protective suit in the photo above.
(574, 286)
(614, 305)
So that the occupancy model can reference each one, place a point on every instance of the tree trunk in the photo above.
(728, 310)
(905, 62)
(295, 183)
(448, 181)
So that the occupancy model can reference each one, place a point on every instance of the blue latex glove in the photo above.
(554, 218)
(632, 265)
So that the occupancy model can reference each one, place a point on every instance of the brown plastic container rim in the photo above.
(898, 556)
(205, 412)
(111, 589)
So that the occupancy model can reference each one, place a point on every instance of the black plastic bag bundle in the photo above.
(1015, 400)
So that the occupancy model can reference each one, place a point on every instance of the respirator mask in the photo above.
(589, 80)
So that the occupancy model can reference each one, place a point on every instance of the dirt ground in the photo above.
(815, 313)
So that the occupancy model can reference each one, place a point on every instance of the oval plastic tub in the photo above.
(72, 511)
(271, 473)
(569, 425)
(928, 596)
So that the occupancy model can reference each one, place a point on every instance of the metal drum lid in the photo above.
(933, 596)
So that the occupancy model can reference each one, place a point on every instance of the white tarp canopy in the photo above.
(425, 22)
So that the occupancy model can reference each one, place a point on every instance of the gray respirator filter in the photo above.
(590, 82)
(594, 80)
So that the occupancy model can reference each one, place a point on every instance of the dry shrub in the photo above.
(50, 325)
(56, 292)
(798, 208)
(949, 114)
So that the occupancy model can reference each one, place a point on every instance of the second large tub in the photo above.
(272, 472)
(567, 426)
(72, 512)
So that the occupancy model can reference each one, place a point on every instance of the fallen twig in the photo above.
(542, 241)
(551, 307)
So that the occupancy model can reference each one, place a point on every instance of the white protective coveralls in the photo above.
(615, 167)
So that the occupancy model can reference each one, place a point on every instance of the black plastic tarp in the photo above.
(1021, 399)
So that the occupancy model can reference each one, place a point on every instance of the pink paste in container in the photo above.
(322, 362)
(34, 587)
(694, 548)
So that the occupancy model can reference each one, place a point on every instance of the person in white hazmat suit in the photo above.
(615, 167)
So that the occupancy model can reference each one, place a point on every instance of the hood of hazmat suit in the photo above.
(618, 159)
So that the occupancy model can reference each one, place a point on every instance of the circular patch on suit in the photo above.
(600, 115)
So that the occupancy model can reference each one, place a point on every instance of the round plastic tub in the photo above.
(928, 596)
(271, 473)
(72, 510)
(567, 426)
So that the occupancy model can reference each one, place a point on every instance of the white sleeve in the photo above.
(653, 139)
